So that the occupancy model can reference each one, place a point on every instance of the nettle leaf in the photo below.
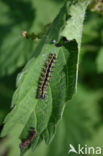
(30, 111)
(15, 17)
(77, 126)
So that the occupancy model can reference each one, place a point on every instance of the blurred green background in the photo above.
(83, 117)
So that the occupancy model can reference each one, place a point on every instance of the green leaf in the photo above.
(77, 125)
(28, 110)
(73, 28)
(15, 17)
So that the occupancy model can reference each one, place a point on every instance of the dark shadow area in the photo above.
(93, 81)
(1, 127)
(88, 63)
(7, 88)
(88, 74)
(101, 108)
(91, 45)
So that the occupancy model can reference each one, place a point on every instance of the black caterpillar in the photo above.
(28, 141)
(45, 77)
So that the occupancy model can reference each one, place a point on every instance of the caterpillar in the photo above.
(28, 141)
(45, 76)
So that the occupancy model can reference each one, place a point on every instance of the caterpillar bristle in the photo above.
(46, 75)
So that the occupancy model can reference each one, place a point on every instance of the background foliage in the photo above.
(83, 116)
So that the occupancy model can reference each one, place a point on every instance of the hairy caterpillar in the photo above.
(45, 76)
(28, 141)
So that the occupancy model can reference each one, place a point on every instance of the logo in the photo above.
(84, 150)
